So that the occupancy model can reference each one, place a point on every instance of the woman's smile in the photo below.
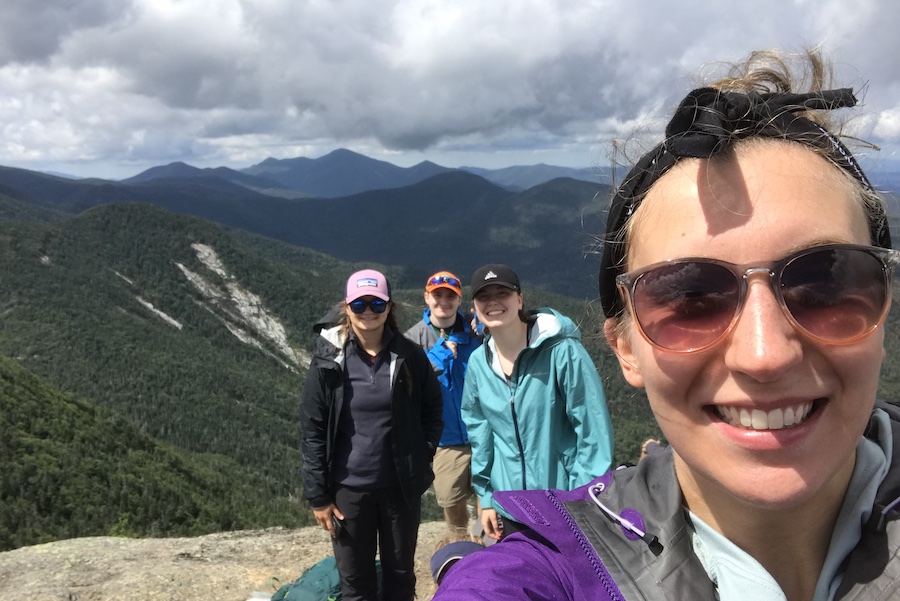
(761, 419)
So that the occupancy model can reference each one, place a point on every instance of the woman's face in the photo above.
(497, 306)
(368, 321)
(767, 202)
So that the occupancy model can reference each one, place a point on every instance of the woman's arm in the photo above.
(480, 438)
(587, 413)
(314, 439)
(432, 402)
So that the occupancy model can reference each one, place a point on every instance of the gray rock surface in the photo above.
(229, 566)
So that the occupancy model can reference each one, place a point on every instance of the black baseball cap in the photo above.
(494, 273)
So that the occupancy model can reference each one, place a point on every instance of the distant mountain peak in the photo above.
(342, 172)
(337, 152)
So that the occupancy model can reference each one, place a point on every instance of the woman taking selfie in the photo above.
(371, 420)
(746, 278)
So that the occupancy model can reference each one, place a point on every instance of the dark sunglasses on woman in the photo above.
(833, 294)
(376, 304)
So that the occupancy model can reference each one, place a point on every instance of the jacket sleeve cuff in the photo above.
(320, 503)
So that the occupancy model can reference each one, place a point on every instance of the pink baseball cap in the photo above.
(367, 282)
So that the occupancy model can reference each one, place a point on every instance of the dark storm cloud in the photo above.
(33, 31)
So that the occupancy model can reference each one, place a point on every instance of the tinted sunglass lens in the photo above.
(836, 295)
(377, 305)
(685, 306)
(444, 279)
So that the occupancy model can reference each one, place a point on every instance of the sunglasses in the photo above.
(376, 304)
(445, 279)
(833, 294)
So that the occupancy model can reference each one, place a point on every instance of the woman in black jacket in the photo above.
(371, 421)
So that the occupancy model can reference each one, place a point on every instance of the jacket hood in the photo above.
(549, 324)
(328, 320)
(547, 327)
(330, 345)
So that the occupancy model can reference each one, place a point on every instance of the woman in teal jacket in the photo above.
(533, 403)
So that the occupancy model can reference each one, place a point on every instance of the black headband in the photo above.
(707, 122)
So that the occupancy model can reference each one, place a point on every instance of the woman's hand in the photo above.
(323, 517)
(490, 523)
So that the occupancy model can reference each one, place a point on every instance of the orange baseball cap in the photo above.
(444, 279)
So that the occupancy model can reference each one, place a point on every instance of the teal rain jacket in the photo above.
(548, 426)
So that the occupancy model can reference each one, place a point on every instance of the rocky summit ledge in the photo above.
(229, 566)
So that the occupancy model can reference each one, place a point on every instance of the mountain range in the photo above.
(450, 219)
(453, 220)
(343, 172)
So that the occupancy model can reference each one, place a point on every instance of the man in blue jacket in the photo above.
(448, 341)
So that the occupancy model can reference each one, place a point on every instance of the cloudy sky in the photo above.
(108, 88)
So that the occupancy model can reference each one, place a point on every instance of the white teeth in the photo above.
(775, 420)
(789, 417)
(760, 420)
(757, 419)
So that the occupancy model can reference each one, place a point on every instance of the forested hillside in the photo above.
(101, 306)
(83, 305)
(70, 468)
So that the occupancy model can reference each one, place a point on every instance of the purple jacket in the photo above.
(575, 550)
(632, 542)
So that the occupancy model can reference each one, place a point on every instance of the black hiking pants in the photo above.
(373, 519)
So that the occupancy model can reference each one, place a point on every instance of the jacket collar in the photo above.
(887, 501)
(459, 323)
(645, 498)
(639, 570)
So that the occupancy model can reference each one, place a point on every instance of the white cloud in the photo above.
(887, 125)
(122, 86)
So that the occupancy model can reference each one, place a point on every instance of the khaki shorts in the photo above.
(453, 474)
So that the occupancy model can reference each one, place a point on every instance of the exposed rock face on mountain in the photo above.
(244, 313)
(230, 566)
